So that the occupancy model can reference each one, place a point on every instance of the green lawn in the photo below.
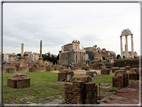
(44, 86)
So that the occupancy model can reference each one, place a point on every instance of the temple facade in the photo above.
(71, 53)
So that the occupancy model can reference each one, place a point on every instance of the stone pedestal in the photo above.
(128, 67)
(120, 79)
(40, 61)
(22, 60)
(84, 90)
(18, 81)
(114, 69)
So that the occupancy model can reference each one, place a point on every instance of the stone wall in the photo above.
(127, 62)
(32, 69)
(41, 68)
(49, 68)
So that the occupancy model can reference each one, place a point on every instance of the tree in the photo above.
(25, 54)
(58, 57)
(118, 56)
(18, 54)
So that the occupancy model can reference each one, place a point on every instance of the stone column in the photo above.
(126, 56)
(40, 61)
(121, 48)
(22, 49)
(132, 46)
(41, 48)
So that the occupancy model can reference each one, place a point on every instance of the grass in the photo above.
(43, 84)
(44, 87)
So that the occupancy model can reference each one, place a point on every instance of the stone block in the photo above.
(120, 79)
(49, 68)
(105, 71)
(83, 92)
(18, 81)
(91, 73)
(114, 69)
(128, 67)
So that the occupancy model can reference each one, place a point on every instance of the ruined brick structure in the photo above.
(71, 53)
(91, 73)
(18, 81)
(65, 75)
(120, 79)
(32, 69)
(128, 67)
(10, 70)
(48, 68)
(114, 69)
(81, 90)
(134, 74)
(98, 54)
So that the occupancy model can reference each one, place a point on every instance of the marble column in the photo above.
(126, 56)
(41, 48)
(121, 48)
(132, 46)
(22, 49)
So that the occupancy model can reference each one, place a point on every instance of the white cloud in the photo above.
(57, 24)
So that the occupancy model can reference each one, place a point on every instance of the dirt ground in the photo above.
(128, 95)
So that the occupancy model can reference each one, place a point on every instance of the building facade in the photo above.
(71, 53)
(101, 54)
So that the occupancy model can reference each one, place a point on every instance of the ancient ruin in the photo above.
(10, 70)
(18, 81)
(81, 90)
(91, 73)
(104, 70)
(71, 53)
(65, 75)
(125, 33)
(114, 69)
(120, 79)
(134, 74)
(128, 67)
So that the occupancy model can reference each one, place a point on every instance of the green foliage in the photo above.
(3, 63)
(18, 54)
(25, 55)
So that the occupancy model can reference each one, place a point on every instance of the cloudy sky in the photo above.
(57, 24)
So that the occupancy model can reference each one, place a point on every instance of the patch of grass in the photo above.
(40, 87)
(103, 79)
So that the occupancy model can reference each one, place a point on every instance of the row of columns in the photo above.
(79, 57)
(126, 48)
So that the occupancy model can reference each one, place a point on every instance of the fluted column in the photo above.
(126, 47)
(121, 48)
(132, 45)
